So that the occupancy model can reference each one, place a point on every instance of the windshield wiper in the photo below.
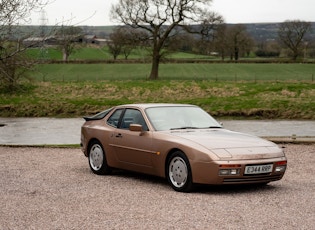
(186, 127)
(191, 127)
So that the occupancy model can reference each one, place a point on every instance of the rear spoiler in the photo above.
(97, 116)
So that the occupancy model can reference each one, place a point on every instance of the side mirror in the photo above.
(135, 128)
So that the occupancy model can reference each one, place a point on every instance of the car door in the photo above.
(132, 147)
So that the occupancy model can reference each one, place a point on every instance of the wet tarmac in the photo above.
(66, 131)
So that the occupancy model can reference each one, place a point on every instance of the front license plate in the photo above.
(258, 169)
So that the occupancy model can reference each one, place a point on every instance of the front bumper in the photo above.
(208, 173)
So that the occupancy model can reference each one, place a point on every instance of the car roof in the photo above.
(151, 105)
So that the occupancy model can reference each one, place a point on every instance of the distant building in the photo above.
(93, 39)
(55, 40)
(89, 39)
(40, 41)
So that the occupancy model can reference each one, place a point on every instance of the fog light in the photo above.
(226, 172)
(280, 168)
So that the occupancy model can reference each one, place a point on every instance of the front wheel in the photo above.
(97, 159)
(179, 173)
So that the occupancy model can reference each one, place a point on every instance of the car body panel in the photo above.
(234, 145)
(207, 149)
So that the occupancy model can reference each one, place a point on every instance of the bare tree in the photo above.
(13, 65)
(309, 49)
(268, 49)
(115, 43)
(132, 38)
(68, 37)
(159, 18)
(221, 41)
(291, 34)
(123, 40)
(238, 41)
(209, 31)
(181, 42)
(12, 62)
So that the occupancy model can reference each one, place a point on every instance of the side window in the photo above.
(114, 118)
(133, 116)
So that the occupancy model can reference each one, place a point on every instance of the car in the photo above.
(179, 142)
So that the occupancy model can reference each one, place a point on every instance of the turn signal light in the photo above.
(230, 166)
(281, 163)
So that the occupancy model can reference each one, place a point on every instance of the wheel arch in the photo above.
(90, 143)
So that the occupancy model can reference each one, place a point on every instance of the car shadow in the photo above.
(139, 177)
(199, 188)
(234, 189)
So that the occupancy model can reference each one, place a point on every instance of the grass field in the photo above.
(260, 100)
(102, 53)
(187, 71)
(243, 90)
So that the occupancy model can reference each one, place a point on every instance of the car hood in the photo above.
(229, 144)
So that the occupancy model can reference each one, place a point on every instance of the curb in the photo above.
(276, 139)
(291, 139)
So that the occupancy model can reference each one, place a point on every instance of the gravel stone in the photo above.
(53, 188)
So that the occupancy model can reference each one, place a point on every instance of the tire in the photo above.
(178, 172)
(97, 159)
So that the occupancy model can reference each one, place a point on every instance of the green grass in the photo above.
(281, 91)
(187, 71)
(276, 100)
(101, 53)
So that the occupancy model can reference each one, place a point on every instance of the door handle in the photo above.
(119, 135)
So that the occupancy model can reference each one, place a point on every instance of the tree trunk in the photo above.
(236, 53)
(154, 75)
(65, 55)
(295, 53)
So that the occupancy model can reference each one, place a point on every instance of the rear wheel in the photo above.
(97, 159)
(179, 173)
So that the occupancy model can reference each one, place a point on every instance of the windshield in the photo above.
(180, 117)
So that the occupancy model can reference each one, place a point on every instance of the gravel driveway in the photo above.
(53, 188)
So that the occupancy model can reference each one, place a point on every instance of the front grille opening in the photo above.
(252, 179)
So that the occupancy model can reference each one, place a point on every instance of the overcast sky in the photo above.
(96, 12)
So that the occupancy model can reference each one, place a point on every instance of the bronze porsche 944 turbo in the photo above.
(180, 142)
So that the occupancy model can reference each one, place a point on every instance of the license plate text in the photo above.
(258, 169)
